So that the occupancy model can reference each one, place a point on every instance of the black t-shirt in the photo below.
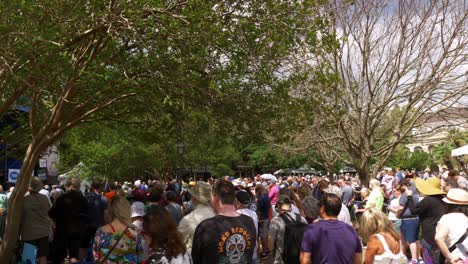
(224, 240)
(430, 210)
(96, 206)
(70, 213)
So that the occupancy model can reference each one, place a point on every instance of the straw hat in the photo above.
(429, 187)
(456, 196)
(201, 191)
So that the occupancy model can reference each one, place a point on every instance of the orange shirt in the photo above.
(110, 196)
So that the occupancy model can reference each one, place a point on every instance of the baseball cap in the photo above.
(138, 209)
(284, 199)
(243, 197)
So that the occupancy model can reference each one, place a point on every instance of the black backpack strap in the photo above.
(460, 240)
(286, 218)
(298, 218)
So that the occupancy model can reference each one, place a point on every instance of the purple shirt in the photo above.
(331, 241)
(273, 194)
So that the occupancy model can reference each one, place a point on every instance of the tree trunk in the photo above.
(331, 169)
(364, 175)
(15, 205)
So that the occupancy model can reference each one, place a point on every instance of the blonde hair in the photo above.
(365, 190)
(120, 210)
(374, 184)
(374, 221)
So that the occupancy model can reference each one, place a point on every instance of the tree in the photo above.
(125, 151)
(443, 152)
(397, 62)
(74, 62)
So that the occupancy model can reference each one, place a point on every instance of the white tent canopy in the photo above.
(460, 151)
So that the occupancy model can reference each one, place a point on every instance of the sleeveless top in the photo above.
(387, 257)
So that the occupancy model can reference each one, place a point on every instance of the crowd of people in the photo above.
(399, 217)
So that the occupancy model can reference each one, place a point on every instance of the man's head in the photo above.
(96, 185)
(156, 193)
(243, 199)
(137, 184)
(223, 193)
(314, 180)
(450, 184)
(285, 191)
(272, 182)
(246, 181)
(73, 184)
(323, 184)
(35, 185)
(171, 196)
(405, 183)
(330, 205)
(341, 183)
(453, 174)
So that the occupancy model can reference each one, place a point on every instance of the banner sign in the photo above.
(13, 175)
(42, 163)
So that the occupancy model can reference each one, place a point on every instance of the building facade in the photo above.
(436, 128)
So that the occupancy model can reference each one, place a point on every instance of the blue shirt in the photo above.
(263, 206)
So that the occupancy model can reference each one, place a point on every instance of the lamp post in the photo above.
(180, 150)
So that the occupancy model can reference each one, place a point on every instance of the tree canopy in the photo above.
(76, 62)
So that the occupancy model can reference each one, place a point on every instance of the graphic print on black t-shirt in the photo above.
(224, 240)
(234, 246)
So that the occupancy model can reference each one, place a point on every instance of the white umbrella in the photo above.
(460, 151)
(269, 177)
(277, 172)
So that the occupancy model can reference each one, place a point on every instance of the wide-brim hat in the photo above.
(201, 191)
(456, 196)
(429, 187)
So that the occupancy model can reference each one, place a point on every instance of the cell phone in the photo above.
(462, 249)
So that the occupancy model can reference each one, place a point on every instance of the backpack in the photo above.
(96, 207)
(293, 234)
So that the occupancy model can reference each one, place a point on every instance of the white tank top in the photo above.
(387, 257)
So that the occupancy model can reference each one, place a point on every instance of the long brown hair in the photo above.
(162, 228)
(120, 209)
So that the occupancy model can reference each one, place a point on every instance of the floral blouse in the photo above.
(128, 250)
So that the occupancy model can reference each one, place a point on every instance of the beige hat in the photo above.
(201, 191)
(456, 196)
